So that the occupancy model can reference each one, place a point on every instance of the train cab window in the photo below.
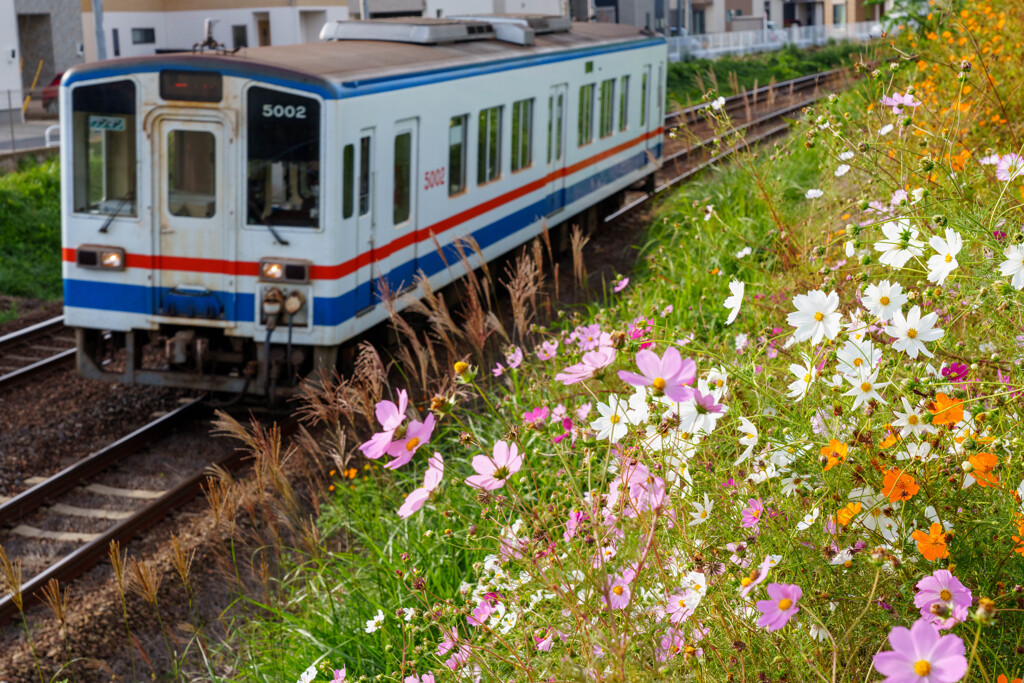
(607, 107)
(103, 148)
(457, 129)
(191, 173)
(488, 148)
(403, 176)
(624, 103)
(348, 177)
(585, 127)
(284, 158)
(522, 134)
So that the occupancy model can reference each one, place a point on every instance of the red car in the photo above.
(50, 94)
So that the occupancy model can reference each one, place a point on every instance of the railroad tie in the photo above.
(62, 509)
(68, 536)
(141, 494)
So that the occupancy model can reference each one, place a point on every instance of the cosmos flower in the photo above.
(842, 170)
(883, 299)
(620, 284)
(781, 607)
(751, 515)
(417, 434)
(808, 520)
(375, 623)
(944, 262)
(816, 316)
(493, 471)
(547, 350)
(390, 416)
(701, 513)
(431, 481)
(1013, 266)
(921, 655)
(668, 375)
(813, 194)
(913, 332)
(898, 101)
(618, 593)
(1010, 166)
(592, 363)
(942, 599)
(900, 243)
(865, 388)
(734, 302)
(804, 376)
(910, 421)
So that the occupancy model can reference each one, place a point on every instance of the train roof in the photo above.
(339, 67)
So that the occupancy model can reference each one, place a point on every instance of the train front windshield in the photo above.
(284, 158)
(103, 129)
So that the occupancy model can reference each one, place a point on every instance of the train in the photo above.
(231, 219)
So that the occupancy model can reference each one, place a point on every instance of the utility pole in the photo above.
(364, 10)
(97, 20)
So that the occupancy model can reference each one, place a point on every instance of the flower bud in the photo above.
(939, 220)
(941, 610)
(966, 466)
(986, 611)
(965, 65)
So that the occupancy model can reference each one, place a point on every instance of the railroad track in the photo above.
(31, 350)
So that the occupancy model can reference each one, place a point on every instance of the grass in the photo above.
(30, 258)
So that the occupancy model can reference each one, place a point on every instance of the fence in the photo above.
(711, 45)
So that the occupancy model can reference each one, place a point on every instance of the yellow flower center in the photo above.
(703, 514)
(720, 383)
(617, 590)
(884, 300)
(658, 383)
(682, 603)
(848, 564)
(858, 362)
(911, 420)
(865, 387)
(819, 316)
(807, 378)
(912, 333)
(745, 581)
(785, 603)
(614, 419)
(411, 445)
(945, 595)
(949, 257)
(922, 668)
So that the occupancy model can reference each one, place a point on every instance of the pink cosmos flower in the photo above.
(493, 471)
(536, 416)
(752, 514)
(544, 643)
(547, 350)
(749, 583)
(459, 659)
(450, 639)
(620, 284)
(431, 481)
(425, 678)
(339, 676)
(566, 431)
(1010, 166)
(498, 370)
(942, 599)
(898, 101)
(781, 607)
(618, 593)
(669, 374)
(587, 336)
(515, 358)
(921, 654)
(573, 523)
(480, 614)
(390, 417)
(671, 644)
(679, 606)
(417, 434)
(592, 362)
(584, 410)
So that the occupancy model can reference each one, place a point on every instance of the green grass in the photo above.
(30, 258)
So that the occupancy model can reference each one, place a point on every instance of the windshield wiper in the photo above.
(117, 210)
(254, 205)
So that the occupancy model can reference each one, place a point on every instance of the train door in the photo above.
(194, 218)
(648, 119)
(365, 259)
(398, 229)
(557, 100)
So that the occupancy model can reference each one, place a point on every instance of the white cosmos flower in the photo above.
(917, 194)
(910, 421)
(944, 261)
(613, 424)
(809, 519)
(856, 357)
(913, 332)
(846, 156)
(749, 439)
(308, 675)
(1013, 266)
(740, 341)
(804, 376)
(718, 103)
(842, 170)
(734, 302)
(375, 623)
(884, 299)
(701, 513)
(920, 451)
(865, 388)
(745, 251)
(813, 194)
(886, 129)
(849, 248)
(816, 316)
(900, 243)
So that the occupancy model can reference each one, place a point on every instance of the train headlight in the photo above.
(99, 257)
(284, 270)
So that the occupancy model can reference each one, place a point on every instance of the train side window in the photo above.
(103, 148)
(284, 158)
(403, 176)
(522, 134)
(488, 148)
(347, 178)
(585, 127)
(556, 113)
(624, 103)
(607, 107)
(457, 129)
(191, 173)
(643, 98)
(364, 175)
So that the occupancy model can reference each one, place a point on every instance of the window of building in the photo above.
(607, 120)
(284, 158)
(403, 176)
(699, 27)
(142, 36)
(585, 125)
(240, 36)
(116, 36)
(488, 148)
(838, 14)
(522, 134)
(624, 103)
(191, 173)
(347, 180)
(458, 128)
(103, 148)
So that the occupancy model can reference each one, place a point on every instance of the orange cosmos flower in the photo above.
(1003, 679)
(946, 410)
(846, 515)
(835, 452)
(898, 485)
(1019, 540)
(931, 544)
(983, 464)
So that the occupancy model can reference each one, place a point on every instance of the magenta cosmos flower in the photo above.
(390, 417)
(942, 599)
(492, 471)
(417, 434)
(431, 480)
(668, 375)
(781, 607)
(592, 362)
(752, 513)
(921, 654)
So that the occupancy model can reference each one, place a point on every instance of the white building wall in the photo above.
(449, 8)
(10, 74)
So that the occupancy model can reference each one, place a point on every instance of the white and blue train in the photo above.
(229, 217)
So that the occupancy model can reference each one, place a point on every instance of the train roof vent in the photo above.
(420, 30)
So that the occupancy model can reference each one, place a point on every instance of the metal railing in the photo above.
(25, 115)
(711, 45)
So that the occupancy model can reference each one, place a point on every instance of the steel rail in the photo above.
(27, 335)
(15, 376)
(31, 332)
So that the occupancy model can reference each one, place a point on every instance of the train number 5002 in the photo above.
(284, 111)
(433, 178)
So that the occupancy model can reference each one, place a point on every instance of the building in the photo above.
(719, 16)
(10, 56)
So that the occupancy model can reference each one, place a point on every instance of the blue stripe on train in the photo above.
(331, 311)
